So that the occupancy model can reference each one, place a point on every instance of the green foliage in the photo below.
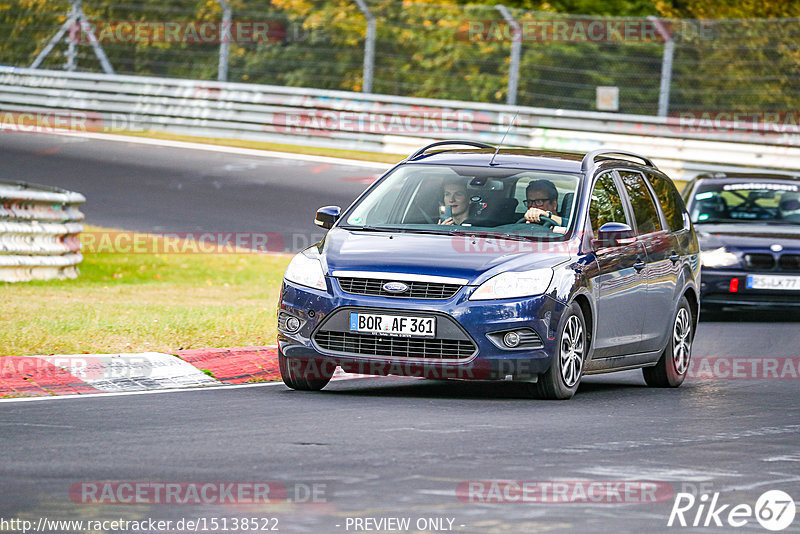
(425, 50)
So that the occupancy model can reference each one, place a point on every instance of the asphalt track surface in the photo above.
(160, 189)
(394, 447)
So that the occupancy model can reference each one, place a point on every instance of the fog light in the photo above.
(292, 324)
(511, 339)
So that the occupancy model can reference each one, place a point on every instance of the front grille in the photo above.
(761, 262)
(790, 262)
(393, 347)
(416, 290)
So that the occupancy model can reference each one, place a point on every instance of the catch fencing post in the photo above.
(516, 47)
(224, 45)
(76, 21)
(666, 66)
(369, 47)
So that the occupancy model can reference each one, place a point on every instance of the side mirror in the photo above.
(327, 216)
(614, 234)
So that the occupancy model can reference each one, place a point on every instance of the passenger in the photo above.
(455, 196)
(542, 199)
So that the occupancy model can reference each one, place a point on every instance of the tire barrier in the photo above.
(39, 229)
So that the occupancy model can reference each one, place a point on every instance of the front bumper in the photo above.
(475, 319)
(715, 290)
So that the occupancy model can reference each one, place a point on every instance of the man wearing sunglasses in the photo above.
(542, 200)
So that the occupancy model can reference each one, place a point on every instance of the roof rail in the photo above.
(588, 159)
(424, 149)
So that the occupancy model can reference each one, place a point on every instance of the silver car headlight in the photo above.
(514, 285)
(306, 271)
(719, 257)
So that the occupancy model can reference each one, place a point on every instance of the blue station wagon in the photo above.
(466, 261)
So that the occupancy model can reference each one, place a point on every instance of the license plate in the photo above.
(392, 325)
(773, 281)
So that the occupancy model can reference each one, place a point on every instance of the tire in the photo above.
(305, 375)
(562, 379)
(670, 371)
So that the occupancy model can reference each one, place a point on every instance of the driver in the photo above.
(455, 196)
(542, 200)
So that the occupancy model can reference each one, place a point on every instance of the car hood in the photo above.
(748, 236)
(472, 258)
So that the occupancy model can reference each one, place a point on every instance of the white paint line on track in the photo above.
(147, 392)
(222, 148)
(102, 395)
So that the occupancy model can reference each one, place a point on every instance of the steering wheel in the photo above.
(544, 220)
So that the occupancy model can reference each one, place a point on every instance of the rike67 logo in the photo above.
(774, 510)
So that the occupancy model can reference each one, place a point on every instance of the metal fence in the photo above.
(39, 229)
(33, 100)
(466, 52)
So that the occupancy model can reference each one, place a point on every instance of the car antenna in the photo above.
(491, 161)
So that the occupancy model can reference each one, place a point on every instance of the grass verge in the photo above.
(276, 147)
(137, 302)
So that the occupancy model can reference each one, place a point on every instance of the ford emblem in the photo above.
(395, 287)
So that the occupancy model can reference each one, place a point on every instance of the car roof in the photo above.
(522, 158)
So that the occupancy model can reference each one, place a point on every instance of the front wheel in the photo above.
(305, 374)
(562, 379)
(670, 371)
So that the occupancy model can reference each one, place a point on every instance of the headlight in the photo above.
(306, 272)
(514, 284)
(719, 257)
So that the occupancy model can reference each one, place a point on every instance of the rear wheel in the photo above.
(670, 371)
(562, 379)
(305, 374)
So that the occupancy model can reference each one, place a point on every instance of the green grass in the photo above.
(277, 147)
(145, 302)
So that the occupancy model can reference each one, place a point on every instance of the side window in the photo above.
(644, 209)
(670, 199)
(606, 205)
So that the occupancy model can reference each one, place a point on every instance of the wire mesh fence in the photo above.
(460, 52)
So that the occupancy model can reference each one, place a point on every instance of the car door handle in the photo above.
(639, 265)
(675, 257)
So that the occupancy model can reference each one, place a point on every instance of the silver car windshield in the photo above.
(448, 199)
(768, 202)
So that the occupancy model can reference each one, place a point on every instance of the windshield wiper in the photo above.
(398, 230)
(370, 228)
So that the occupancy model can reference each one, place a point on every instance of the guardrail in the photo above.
(337, 119)
(39, 229)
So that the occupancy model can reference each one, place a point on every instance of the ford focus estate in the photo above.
(476, 263)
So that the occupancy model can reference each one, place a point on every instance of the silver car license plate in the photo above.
(773, 281)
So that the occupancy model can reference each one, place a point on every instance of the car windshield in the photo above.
(446, 199)
(775, 202)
